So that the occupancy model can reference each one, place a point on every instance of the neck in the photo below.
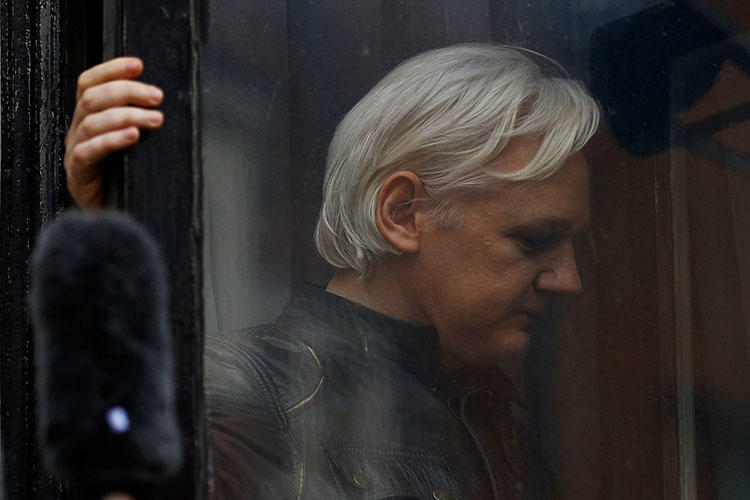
(384, 290)
(381, 290)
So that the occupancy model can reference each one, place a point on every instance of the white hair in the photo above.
(445, 115)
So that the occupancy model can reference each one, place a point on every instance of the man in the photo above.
(453, 191)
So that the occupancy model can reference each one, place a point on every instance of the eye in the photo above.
(535, 244)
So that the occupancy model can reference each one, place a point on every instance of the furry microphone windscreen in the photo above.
(104, 370)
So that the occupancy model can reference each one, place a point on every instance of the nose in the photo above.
(560, 273)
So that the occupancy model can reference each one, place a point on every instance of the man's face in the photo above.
(484, 283)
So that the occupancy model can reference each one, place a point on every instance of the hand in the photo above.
(111, 108)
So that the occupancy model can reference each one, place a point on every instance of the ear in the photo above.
(399, 209)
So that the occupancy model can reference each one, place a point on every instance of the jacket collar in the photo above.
(413, 346)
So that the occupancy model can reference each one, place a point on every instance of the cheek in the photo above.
(473, 283)
(480, 304)
(508, 276)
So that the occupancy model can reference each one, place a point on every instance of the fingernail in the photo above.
(131, 133)
(155, 118)
(156, 93)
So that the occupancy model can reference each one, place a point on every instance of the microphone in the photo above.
(104, 368)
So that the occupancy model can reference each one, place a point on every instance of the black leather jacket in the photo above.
(336, 401)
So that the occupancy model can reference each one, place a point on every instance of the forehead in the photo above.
(561, 201)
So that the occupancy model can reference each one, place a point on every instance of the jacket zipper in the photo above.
(485, 459)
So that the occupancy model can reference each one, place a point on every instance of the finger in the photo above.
(116, 69)
(114, 94)
(115, 119)
(81, 161)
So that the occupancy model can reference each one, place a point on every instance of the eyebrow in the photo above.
(554, 224)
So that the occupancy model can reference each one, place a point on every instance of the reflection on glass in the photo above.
(632, 389)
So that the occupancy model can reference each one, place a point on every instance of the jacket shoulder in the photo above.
(249, 380)
(263, 366)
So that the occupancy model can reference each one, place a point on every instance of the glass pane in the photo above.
(632, 388)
